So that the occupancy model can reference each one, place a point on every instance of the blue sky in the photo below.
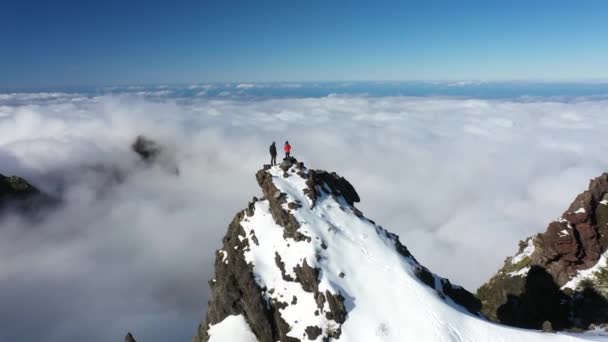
(59, 43)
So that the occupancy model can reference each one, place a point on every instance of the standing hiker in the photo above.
(287, 149)
(273, 154)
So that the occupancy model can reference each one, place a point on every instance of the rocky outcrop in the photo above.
(146, 148)
(17, 194)
(446, 289)
(235, 290)
(333, 184)
(14, 187)
(151, 152)
(532, 286)
(129, 338)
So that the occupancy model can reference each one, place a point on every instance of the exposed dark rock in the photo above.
(399, 246)
(540, 301)
(307, 276)
(461, 296)
(147, 149)
(294, 205)
(322, 181)
(425, 276)
(588, 308)
(286, 164)
(313, 332)
(129, 338)
(281, 217)
(14, 188)
(337, 310)
(17, 194)
(235, 291)
(152, 152)
(281, 266)
(572, 243)
(320, 300)
(458, 294)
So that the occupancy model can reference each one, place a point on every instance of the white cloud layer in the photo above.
(461, 180)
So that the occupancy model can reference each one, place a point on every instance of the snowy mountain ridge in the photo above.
(304, 264)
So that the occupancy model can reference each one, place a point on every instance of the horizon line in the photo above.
(460, 82)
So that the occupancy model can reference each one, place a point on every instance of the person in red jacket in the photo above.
(287, 149)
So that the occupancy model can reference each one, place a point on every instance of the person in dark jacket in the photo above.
(287, 149)
(273, 154)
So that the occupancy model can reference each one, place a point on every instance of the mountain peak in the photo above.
(302, 263)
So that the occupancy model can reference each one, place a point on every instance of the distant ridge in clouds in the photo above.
(515, 90)
(460, 179)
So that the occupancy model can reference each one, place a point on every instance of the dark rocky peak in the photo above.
(151, 152)
(16, 186)
(570, 244)
(17, 194)
(129, 338)
(147, 149)
(319, 182)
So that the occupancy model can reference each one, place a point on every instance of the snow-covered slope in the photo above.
(303, 264)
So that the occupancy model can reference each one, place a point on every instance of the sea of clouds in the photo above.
(131, 248)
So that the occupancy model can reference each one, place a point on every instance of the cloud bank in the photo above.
(132, 248)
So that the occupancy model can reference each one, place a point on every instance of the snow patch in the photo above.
(520, 273)
(527, 252)
(588, 273)
(580, 211)
(233, 329)
(224, 256)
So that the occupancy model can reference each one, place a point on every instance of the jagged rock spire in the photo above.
(129, 338)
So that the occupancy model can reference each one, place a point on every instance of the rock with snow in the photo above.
(303, 264)
(539, 283)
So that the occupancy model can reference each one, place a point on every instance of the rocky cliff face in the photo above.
(560, 275)
(297, 263)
